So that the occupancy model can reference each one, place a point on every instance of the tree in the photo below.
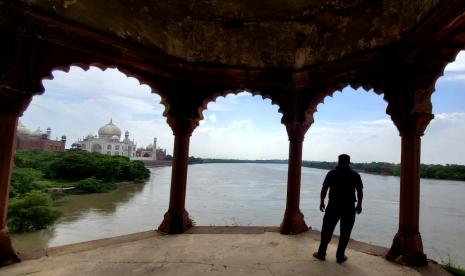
(92, 185)
(31, 212)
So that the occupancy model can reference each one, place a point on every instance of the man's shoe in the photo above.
(318, 256)
(341, 260)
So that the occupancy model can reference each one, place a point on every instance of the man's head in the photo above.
(343, 160)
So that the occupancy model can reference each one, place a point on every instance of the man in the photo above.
(342, 183)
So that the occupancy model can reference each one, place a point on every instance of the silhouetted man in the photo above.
(342, 183)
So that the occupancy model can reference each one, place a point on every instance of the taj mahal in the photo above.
(108, 142)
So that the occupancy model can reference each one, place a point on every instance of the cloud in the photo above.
(229, 130)
(455, 71)
(212, 117)
(382, 123)
(365, 141)
(79, 102)
(450, 117)
(443, 139)
(458, 65)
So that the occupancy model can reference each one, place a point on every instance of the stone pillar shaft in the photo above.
(293, 222)
(8, 123)
(12, 105)
(176, 220)
(409, 209)
(179, 172)
(407, 246)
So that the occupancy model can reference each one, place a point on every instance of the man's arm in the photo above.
(358, 209)
(359, 189)
(323, 193)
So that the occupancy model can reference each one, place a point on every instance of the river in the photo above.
(255, 195)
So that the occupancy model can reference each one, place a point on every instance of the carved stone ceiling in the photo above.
(248, 33)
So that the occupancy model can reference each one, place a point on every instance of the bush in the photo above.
(31, 212)
(454, 270)
(72, 166)
(24, 180)
(93, 185)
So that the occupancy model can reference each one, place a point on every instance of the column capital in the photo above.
(182, 126)
(13, 101)
(296, 130)
(412, 124)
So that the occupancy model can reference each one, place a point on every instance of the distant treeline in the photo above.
(445, 172)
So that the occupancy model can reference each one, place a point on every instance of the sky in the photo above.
(243, 126)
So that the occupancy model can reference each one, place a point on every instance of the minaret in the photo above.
(154, 152)
(63, 140)
(49, 133)
(126, 137)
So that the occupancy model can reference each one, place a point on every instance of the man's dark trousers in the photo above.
(335, 212)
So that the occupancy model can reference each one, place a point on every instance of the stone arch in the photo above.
(312, 101)
(213, 96)
(96, 148)
(128, 73)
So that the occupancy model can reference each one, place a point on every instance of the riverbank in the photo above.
(37, 174)
(157, 163)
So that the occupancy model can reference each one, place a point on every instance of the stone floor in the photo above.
(210, 251)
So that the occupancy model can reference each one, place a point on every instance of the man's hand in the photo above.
(358, 209)
(322, 206)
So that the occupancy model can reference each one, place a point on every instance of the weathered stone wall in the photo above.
(42, 144)
(284, 34)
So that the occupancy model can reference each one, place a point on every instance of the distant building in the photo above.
(108, 142)
(26, 139)
(151, 152)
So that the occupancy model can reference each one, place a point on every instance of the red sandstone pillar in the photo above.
(407, 246)
(176, 220)
(11, 107)
(293, 222)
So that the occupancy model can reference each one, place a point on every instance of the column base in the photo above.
(407, 249)
(293, 223)
(7, 253)
(175, 222)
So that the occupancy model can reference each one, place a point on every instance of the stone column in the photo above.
(176, 220)
(407, 246)
(293, 222)
(12, 105)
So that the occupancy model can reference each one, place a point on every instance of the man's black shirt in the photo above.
(342, 182)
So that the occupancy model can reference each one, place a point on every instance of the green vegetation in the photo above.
(453, 269)
(195, 160)
(31, 212)
(34, 172)
(445, 172)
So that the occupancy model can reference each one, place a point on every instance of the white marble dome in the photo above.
(109, 130)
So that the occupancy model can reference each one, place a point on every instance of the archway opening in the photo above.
(443, 169)
(110, 116)
(354, 122)
(244, 147)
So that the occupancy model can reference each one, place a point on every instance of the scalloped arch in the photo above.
(126, 72)
(224, 93)
(444, 56)
(338, 87)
